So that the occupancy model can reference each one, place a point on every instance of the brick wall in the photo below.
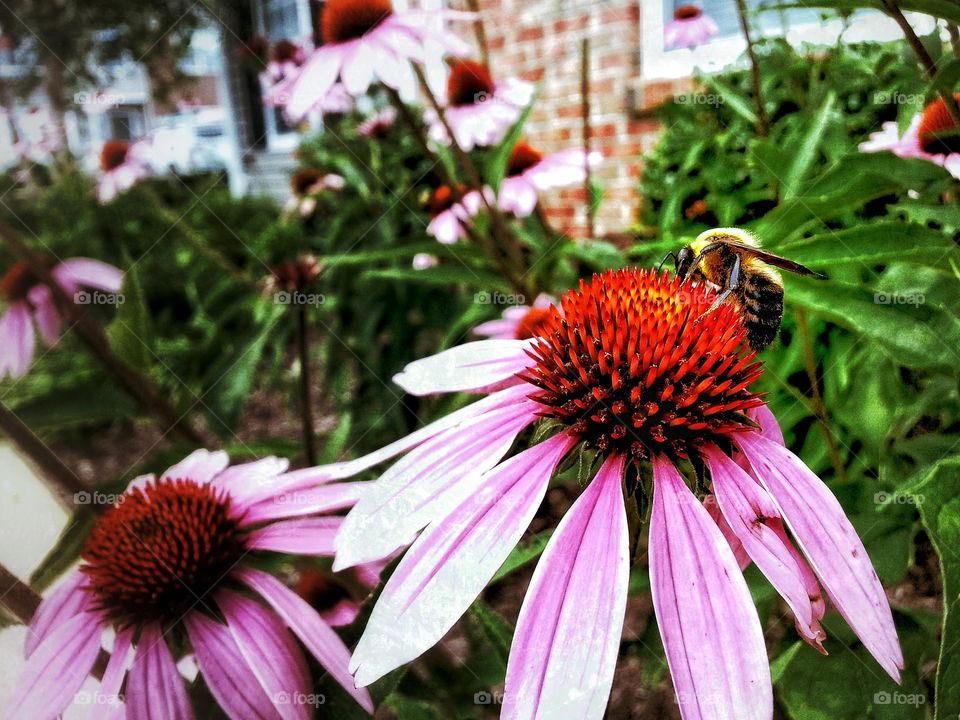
(540, 40)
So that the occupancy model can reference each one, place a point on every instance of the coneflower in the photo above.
(519, 322)
(688, 28)
(642, 370)
(122, 166)
(167, 567)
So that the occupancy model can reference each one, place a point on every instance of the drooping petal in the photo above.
(710, 629)
(67, 600)
(231, 681)
(314, 81)
(755, 520)
(270, 651)
(565, 647)
(453, 560)
(91, 273)
(56, 669)
(45, 314)
(325, 645)
(831, 545)
(201, 466)
(155, 690)
(304, 536)
(357, 72)
(741, 556)
(425, 485)
(471, 366)
(17, 341)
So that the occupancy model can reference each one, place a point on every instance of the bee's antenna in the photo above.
(669, 254)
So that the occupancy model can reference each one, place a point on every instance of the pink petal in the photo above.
(239, 479)
(67, 600)
(325, 645)
(426, 484)
(302, 536)
(56, 670)
(155, 690)
(710, 629)
(465, 367)
(357, 72)
(200, 466)
(741, 556)
(116, 671)
(270, 651)
(453, 560)
(17, 341)
(323, 499)
(754, 518)
(565, 647)
(314, 81)
(830, 544)
(91, 273)
(769, 427)
(45, 314)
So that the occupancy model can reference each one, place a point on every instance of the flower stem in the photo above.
(54, 472)
(762, 123)
(480, 32)
(131, 381)
(585, 114)
(504, 238)
(306, 409)
(929, 66)
(445, 177)
(17, 597)
(954, 38)
(819, 408)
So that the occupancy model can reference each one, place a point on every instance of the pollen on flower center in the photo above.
(469, 83)
(160, 550)
(936, 119)
(523, 157)
(345, 20)
(113, 154)
(637, 365)
(687, 12)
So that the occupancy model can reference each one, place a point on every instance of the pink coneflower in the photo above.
(520, 322)
(927, 137)
(450, 217)
(689, 28)
(480, 111)
(286, 57)
(28, 301)
(378, 125)
(640, 368)
(165, 565)
(337, 597)
(123, 165)
(530, 172)
(364, 41)
(306, 185)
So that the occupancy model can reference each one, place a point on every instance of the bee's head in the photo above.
(684, 262)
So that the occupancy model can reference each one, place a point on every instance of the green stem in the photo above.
(306, 408)
(763, 127)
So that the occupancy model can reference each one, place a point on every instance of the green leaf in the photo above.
(883, 242)
(65, 551)
(733, 99)
(523, 554)
(936, 496)
(948, 76)
(808, 150)
(442, 275)
(405, 708)
(129, 333)
(496, 630)
(496, 166)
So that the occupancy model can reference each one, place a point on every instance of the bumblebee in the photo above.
(732, 260)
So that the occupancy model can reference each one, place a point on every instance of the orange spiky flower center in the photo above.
(160, 550)
(523, 157)
(345, 20)
(534, 323)
(444, 198)
(687, 12)
(935, 120)
(469, 83)
(638, 364)
(113, 154)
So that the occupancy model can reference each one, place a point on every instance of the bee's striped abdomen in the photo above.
(762, 301)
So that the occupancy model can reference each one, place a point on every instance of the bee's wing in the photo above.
(771, 259)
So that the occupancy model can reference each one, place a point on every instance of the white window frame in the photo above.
(657, 63)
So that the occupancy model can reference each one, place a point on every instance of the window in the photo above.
(798, 25)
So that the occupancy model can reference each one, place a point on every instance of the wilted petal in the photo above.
(155, 690)
(743, 559)
(754, 518)
(710, 629)
(56, 669)
(565, 647)
(325, 645)
(471, 366)
(831, 545)
(453, 560)
(426, 484)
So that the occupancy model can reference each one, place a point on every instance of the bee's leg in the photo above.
(732, 283)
